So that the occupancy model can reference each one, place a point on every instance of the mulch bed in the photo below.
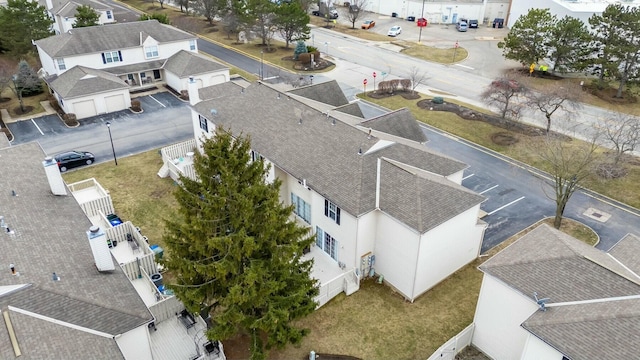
(470, 114)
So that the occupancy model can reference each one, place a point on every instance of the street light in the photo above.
(326, 44)
(421, 17)
(111, 139)
(262, 65)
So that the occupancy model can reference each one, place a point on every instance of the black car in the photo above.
(473, 24)
(71, 159)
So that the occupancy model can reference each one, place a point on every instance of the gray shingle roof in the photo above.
(426, 201)
(50, 236)
(4, 141)
(557, 266)
(627, 251)
(324, 154)
(62, 342)
(603, 331)
(81, 81)
(602, 319)
(351, 109)
(216, 91)
(185, 63)
(400, 123)
(70, 8)
(327, 92)
(97, 39)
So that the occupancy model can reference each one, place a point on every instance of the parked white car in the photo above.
(395, 31)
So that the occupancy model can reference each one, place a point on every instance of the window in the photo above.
(61, 65)
(109, 15)
(156, 74)
(192, 45)
(327, 243)
(332, 211)
(301, 208)
(203, 123)
(255, 156)
(151, 51)
(111, 57)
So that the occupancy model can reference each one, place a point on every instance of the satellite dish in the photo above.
(541, 302)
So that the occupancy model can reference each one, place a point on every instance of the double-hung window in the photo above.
(301, 208)
(151, 51)
(327, 243)
(203, 123)
(61, 65)
(111, 57)
(192, 45)
(332, 211)
(109, 15)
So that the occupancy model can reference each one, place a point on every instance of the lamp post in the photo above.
(421, 17)
(326, 44)
(111, 139)
(262, 65)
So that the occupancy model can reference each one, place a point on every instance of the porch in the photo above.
(140, 76)
(332, 278)
(171, 341)
(178, 160)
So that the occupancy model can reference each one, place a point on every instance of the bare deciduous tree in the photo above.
(355, 11)
(503, 94)
(417, 76)
(569, 163)
(623, 132)
(555, 97)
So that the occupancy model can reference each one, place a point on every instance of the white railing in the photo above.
(449, 349)
(166, 308)
(175, 151)
(333, 287)
(102, 203)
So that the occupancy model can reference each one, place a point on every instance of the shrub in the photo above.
(54, 104)
(438, 100)
(316, 55)
(184, 95)
(70, 119)
(311, 49)
(301, 48)
(406, 85)
(135, 105)
(304, 58)
(395, 83)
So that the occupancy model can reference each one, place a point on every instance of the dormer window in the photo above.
(151, 51)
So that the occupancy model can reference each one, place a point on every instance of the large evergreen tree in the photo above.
(234, 250)
(527, 40)
(568, 45)
(86, 16)
(20, 22)
(606, 30)
(292, 22)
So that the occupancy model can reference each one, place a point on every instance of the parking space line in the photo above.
(37, 127)
(466, 177)
(491, 188)
(163, 105)
(465, 66)
(504, 206)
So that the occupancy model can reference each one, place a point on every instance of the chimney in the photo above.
(192, 88)
(54, 177)
(100, 249)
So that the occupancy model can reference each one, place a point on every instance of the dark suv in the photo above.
(71, 159)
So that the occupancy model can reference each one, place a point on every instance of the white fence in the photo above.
(166, 309)
(333, 287)
(177, 151)
(102, 203)
(454, 345)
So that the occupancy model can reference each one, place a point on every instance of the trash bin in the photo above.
(394, 14)
(157, 250)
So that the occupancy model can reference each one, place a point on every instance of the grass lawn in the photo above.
(13, 105)
(440, 55)
(625, 189)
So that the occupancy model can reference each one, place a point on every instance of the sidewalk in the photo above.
(7, 119)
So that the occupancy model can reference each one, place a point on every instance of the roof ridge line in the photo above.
(593, 301)
(635, 281)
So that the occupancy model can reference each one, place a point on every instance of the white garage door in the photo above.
(115, 103)
(84, 109)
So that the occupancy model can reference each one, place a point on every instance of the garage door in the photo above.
(84, 109)
(217, 79)
(115, 103)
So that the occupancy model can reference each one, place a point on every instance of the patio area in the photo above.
(172, 341)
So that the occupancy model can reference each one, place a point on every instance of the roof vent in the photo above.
(360, 151)
(333, 121)
(54, 177)
(541, 302)
(300, 121)
(100, 249)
